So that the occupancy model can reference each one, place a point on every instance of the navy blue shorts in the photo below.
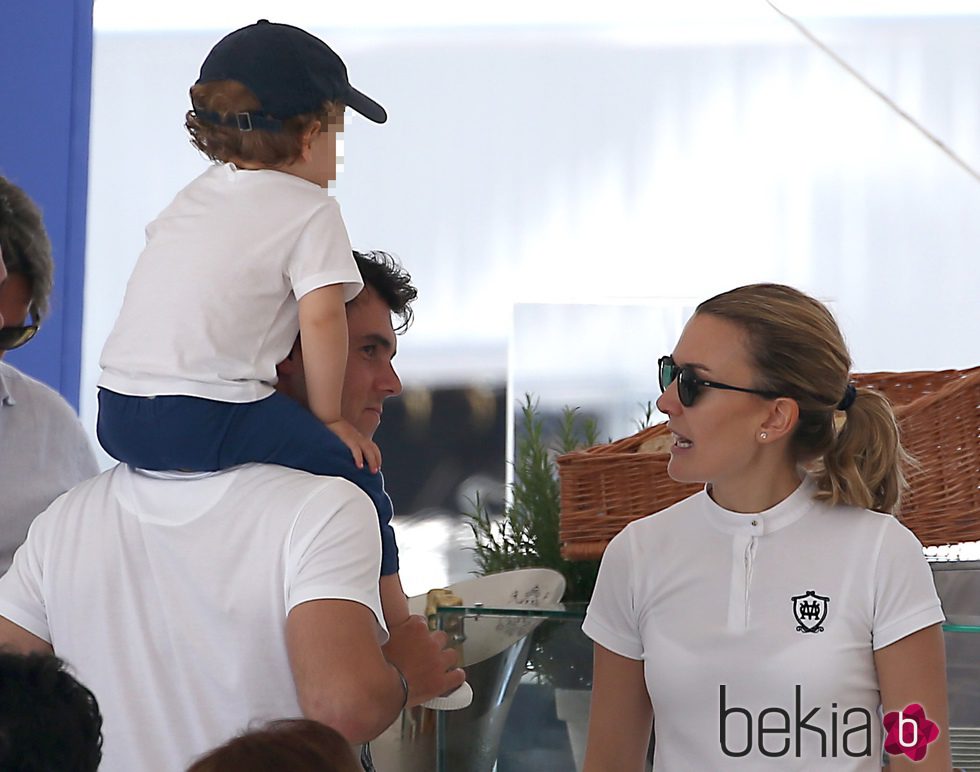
(201, 435)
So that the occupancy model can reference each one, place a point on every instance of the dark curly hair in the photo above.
(49, 722)
(382, 273)
(25, 245)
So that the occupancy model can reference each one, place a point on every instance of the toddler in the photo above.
(248, 254)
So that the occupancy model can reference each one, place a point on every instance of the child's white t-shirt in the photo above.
(211, 307)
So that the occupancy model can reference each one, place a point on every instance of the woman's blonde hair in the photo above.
(798, 351)
(230, 144)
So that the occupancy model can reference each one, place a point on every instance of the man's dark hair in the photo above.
(49, 722)
(382, 273)
(25, 245)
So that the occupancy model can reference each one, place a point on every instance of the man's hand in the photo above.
(428, 665)
(363, 449)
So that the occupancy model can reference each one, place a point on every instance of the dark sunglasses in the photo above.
(689, 385)
(15, 337)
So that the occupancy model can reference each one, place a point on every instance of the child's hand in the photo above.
(363, 449)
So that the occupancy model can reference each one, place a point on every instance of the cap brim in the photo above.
(366, 106)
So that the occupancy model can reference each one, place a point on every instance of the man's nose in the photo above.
(390, 383)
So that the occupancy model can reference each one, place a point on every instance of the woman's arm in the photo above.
(913, 670)
(621, 714)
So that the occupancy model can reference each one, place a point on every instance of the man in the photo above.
(370, 377)
(194, 608)
(43, 449)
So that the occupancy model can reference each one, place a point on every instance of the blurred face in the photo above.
(716, 438)
(370, 377)
(323, 152)
(15, 300)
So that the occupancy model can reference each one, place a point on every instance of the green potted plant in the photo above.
(527, 534)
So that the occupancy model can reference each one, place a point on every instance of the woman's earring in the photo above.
(763, 435)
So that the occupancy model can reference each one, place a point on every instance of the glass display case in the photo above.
(532, 706)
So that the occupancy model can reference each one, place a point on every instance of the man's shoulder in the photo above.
(260, 487)
(19, 381)
(297, 479)
(25, 390)
(249, 493)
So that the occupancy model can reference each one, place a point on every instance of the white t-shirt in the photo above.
(211, 307)
(784, 609)
(169, 597)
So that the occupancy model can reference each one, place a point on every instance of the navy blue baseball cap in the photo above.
(289, 70)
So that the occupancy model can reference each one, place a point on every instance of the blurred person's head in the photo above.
(49, 722)
(28, 265)
(370, 377)
(288, 745)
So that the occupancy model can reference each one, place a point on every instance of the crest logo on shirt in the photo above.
(810, 611)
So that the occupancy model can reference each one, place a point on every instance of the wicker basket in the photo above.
(606, 487)
(939, 415)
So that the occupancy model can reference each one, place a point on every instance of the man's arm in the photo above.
(15, 638)
(394, 603)
(342, 678)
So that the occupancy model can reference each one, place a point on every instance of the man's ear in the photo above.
(784, 415)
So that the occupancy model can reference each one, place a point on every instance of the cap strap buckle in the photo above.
(244, 121)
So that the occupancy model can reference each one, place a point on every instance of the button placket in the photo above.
(745, 541)
(750, 550)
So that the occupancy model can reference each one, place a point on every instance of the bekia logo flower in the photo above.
(909, 732)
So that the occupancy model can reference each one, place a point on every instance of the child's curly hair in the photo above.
(228, 144)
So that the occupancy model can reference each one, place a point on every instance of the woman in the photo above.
(766, 619)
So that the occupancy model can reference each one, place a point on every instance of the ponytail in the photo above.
(863, 465)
